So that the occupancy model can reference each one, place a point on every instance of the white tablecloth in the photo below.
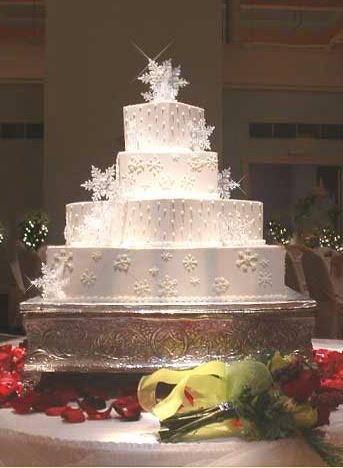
(39, 440)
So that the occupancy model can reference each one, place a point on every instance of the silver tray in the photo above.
(112, 337)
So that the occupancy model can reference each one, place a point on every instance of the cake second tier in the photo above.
(164, 222)
(168, 174)
(167, 275)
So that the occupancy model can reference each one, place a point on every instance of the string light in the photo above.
(34, 229)
(329, 238)
(2, 233)
(278, 233)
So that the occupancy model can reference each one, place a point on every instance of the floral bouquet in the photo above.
(265, 398)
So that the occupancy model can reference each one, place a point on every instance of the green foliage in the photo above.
(33, 229)
(330, 453)
(264, 415)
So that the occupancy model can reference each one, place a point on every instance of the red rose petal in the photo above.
(129, 412)
(55, 411)
(73, 415)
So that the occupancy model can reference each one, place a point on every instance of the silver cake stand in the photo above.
(121, 338)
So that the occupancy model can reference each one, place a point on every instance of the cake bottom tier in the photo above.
(169, 276)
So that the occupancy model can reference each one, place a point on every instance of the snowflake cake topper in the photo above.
(104, 185)
(226, 184)
(164, 81)
(49, 283)
(200, 135)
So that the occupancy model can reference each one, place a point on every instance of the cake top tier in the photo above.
(162, 123)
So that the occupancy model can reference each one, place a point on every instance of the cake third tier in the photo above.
(168, 275)
(164, 222)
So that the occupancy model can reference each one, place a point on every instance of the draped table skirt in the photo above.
(39, 440)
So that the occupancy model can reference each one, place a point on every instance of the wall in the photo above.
(21, 167)
(243, 106)
(91, 68)
(21, 60)
(283, 67)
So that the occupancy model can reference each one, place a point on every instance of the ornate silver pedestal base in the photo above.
(142, 338)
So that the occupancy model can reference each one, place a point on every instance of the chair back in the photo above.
(321, 289)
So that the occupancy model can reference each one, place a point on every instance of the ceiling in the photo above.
(291, 23)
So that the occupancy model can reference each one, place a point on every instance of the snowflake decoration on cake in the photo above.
(141, 288)
(153, 271)
(155, 166)
(96, 256)
(197, 162)
(103, 184)
(64, 259)
(167, 286)
(127, 180)
(247, 260)
(88, 278)
(200, 135)
(235, 230)
(164, 81)
(221, 285)
(264, 263)
(49, 283)
(122, 263)
(166, 256)
(195, 281)
(264, 279)
(226, 184)
(187, 182)
(166, 181)
(190, 262)
(135, 165)
(211, 161)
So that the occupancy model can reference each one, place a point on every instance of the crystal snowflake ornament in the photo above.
(103, 184)
(200, 135)
(235, 230)
(164, 81)
(226, 184)
(49, 283)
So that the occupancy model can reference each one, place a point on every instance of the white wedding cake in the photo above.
(161, 227)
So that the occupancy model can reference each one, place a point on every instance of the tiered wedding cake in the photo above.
(161, 226)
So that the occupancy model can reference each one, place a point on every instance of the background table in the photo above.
(39, 440)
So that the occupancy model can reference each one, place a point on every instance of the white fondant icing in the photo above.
(184, 179)
(162, 125)
(213, 263)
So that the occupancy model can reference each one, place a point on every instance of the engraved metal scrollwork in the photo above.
(113, 339)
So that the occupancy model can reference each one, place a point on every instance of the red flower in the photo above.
(9, 383)
(24, 404)
(302, 388)
(5, 361)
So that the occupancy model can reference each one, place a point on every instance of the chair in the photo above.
(295, 277)
(329, 308)
(25, 266)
